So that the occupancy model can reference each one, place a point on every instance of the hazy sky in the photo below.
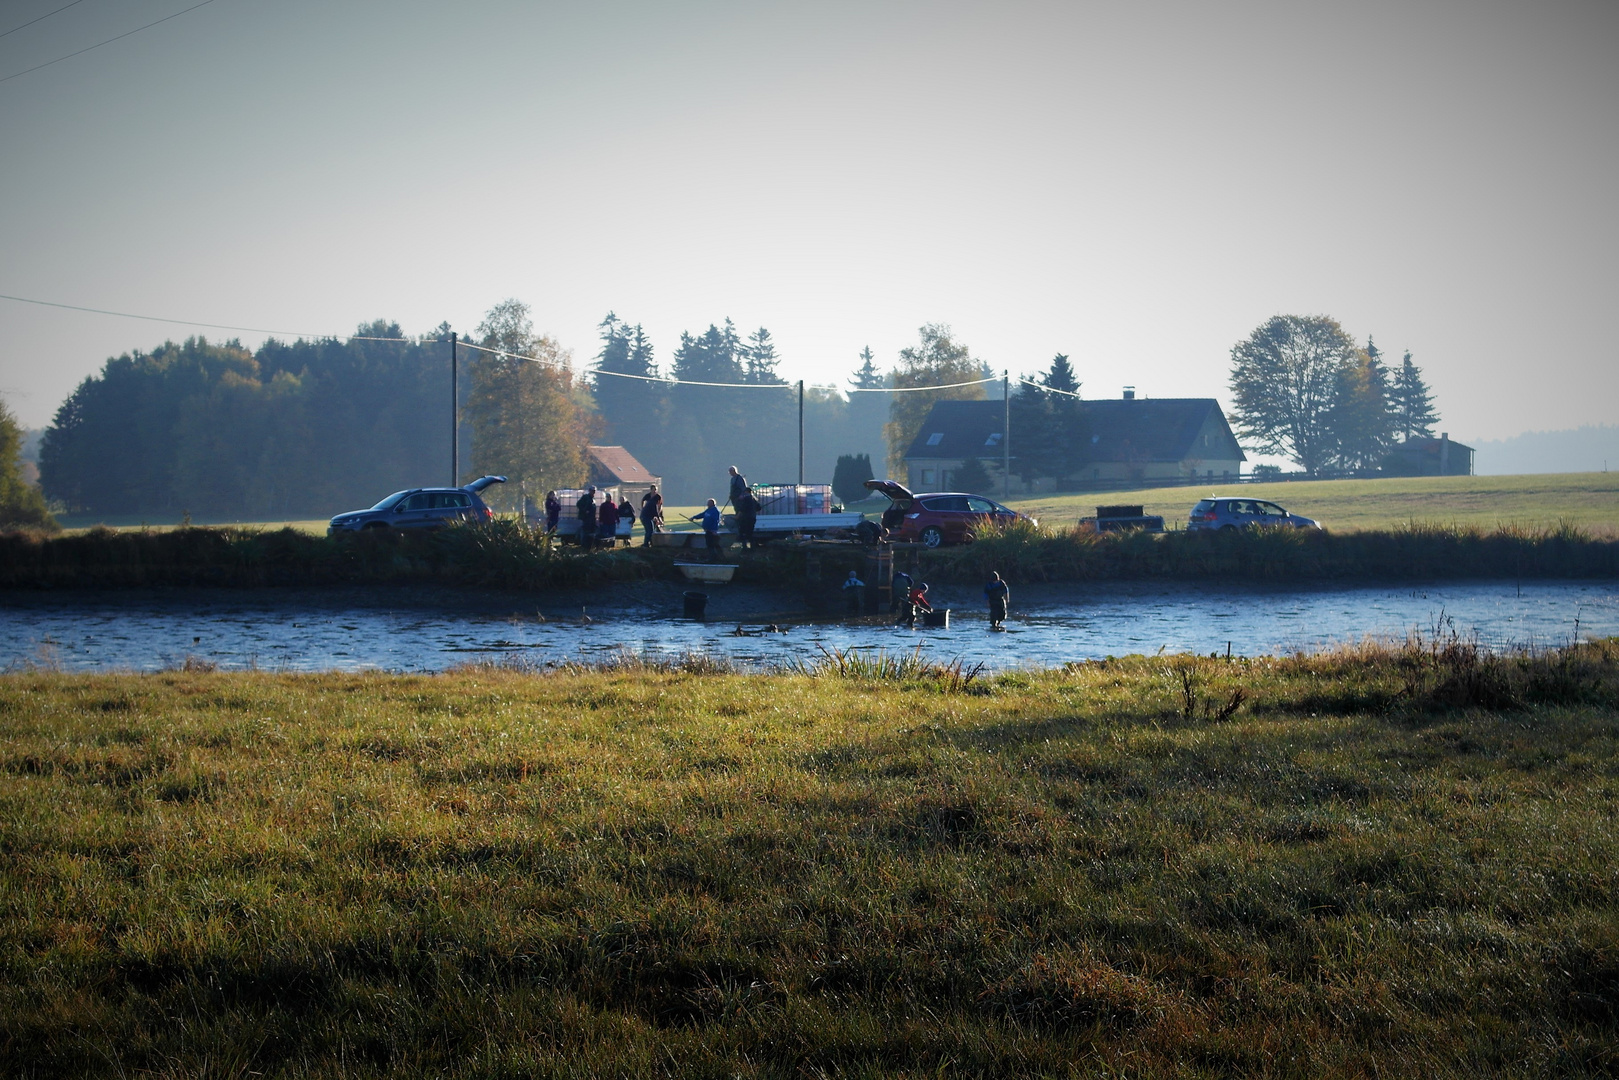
(1137, 185)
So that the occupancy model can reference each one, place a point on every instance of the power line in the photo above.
(98, 44)
(1048, 389)
(485, 349)
(154, 318)
(47, 15)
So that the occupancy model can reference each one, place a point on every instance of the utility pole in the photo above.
(455, 416)
(1006, 433)
(800, 432)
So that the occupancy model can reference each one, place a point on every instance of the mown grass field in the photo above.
(1587, 500)
(1372, 864)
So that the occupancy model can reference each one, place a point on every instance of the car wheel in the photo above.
(932, 537)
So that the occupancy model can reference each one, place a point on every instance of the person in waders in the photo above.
(998, 595)
(853, 587)
(916, 603)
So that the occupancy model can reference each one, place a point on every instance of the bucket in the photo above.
(937, 617)
(695, 603)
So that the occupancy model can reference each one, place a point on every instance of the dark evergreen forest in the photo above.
(310, 428)
(295, 430)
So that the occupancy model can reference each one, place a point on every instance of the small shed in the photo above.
(1429, 457)
(616, 467)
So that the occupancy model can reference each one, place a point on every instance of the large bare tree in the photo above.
(1284, 384)
(936, 360)
(528, 420)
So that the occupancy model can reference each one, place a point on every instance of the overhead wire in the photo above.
(43, 17)
(99, 44)
(1048, 389)
(494, 351)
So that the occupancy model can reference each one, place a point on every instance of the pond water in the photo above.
(1075, 623)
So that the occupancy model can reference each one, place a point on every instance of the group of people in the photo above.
(598, 522)
(910, 597)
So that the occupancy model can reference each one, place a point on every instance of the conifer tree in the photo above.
(1414, 414)
(1361, 421)
(761, 358)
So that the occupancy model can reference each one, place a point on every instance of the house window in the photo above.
(993, 440)
(927, 477)
(936, 438)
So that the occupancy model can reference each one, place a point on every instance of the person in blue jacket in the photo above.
(710, 517)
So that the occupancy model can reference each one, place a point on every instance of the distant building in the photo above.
(614, 466)
(1429, 457)
(1131, 441)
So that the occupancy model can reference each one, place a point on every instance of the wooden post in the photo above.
(1006, 433)
(455, 416)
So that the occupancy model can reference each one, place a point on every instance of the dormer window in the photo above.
(993, 440)
(936, 438)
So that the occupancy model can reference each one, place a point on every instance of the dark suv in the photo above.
(938, 517)
(420, 508)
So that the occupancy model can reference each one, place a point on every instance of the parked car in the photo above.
(420, 508)
(1221, 512)
(938, 517)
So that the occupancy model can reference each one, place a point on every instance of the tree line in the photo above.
(310, 428)
(1303, 389)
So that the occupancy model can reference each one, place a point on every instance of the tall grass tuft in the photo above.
(951, 676)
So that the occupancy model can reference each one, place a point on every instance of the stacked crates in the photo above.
(794, 498)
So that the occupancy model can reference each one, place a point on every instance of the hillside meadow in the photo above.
(1585, 500)
(1364, 863)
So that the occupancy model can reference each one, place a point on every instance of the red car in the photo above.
(938, 517)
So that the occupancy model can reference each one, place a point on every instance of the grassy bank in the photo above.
(1587, 500)
(1367, 863)
(506, 556)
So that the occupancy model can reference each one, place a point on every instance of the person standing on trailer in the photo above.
(739, 488)
(587, 518)
(998, 595)
(747, 516)
(651, 513)
(553, 512)
(607, 516)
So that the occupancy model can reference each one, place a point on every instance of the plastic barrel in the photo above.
(939, 617)
(696, 602)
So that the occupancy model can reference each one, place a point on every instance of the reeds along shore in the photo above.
(1369, 862)
(507, 555)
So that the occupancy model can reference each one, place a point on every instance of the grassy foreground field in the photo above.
(1587, 500)
(1389, 864)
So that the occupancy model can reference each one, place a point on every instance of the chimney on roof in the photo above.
(1129, 393)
